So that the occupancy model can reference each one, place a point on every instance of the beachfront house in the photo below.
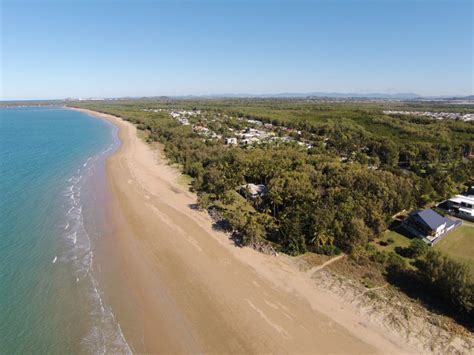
(429, 225)
(461, 206)
(252, 190)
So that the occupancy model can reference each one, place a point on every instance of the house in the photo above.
(429, 225)
(250, 141)
(200, 129)
(231, 141)
(461, 206)
(252, 190)
(255, 122)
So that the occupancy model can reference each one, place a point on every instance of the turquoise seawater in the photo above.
(52, 211)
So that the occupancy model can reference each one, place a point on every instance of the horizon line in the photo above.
(331, 94)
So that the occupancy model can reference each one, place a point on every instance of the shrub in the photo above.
(204, 201)
(418, 248)
(451, 278)
(379, 257)
(330, 250)
(395, 262)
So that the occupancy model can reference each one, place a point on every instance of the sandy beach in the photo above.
(189, 289)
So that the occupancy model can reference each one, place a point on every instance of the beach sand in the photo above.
(187, 287)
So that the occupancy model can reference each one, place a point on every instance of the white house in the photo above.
(253, 191)
(231, 141)
(462, 206)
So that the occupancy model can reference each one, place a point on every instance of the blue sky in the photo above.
(57, 49)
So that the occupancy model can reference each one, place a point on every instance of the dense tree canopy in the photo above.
(334, 185)
(363, 166)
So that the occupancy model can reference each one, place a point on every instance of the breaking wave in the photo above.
(105, 334)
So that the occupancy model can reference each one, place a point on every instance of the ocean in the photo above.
(53, 213)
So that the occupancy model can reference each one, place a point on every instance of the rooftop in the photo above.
(462, 198)
(431, 218)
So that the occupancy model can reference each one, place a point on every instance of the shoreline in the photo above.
(192, 290)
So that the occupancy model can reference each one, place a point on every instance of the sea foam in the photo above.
(105, 334)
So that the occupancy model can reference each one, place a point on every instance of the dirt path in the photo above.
(326, 263)
(372, 289)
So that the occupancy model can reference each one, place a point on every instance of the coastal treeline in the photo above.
(337, 193)
(432, 277)
(448, 279)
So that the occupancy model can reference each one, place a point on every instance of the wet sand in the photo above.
(182, 287)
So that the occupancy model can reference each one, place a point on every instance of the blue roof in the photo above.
(431, 218)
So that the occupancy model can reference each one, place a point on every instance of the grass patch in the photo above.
(185, 180)
(399, 240)
(142, 134)
(368, 282)
(368, 274)
(459, 244)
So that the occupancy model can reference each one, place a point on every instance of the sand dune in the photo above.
(192, 290)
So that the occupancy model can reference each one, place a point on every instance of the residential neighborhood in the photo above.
(432, 226)
(238, 131)
(435, 115)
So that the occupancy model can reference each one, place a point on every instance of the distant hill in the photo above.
(404, 96)
(295, 95)
(400, 96)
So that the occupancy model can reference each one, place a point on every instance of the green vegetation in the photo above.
(391, 240)
(334, 173)
(417, 248)
(185, 180)
(450, 279)
(142, 135)
(362, 167)
(459, 244)
(452, 259)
